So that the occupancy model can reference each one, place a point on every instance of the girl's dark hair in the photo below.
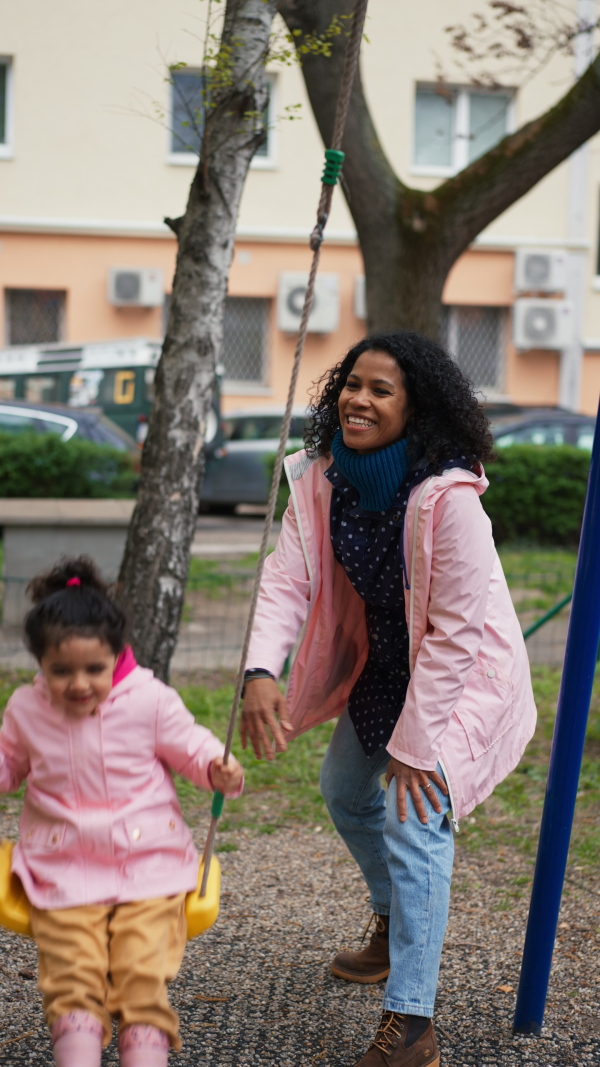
(447, 420)
(72, 599)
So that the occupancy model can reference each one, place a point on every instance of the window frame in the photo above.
(460, 146)
(190, 159)
(7, 146)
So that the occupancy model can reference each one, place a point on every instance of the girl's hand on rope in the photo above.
(226, 778)
(418, 784)
(264, 718)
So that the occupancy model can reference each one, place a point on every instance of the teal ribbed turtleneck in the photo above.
(376, 475)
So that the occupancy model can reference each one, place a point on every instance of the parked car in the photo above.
(237, 471)
(542, 426)
(20, 416)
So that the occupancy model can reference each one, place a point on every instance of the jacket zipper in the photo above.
(300, 638)
(453, 821)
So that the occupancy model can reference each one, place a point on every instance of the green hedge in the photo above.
(41, 465)
(537, 493)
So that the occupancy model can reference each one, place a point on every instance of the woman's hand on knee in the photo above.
(264, 718)
(418, 784)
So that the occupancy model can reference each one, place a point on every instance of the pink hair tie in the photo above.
(73, 581)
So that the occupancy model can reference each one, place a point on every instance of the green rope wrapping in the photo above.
(334, 162)
(217, 804)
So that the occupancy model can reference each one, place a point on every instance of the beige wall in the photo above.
(91, 156)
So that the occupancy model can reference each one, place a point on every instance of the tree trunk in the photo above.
(156, 560)
(410, 239)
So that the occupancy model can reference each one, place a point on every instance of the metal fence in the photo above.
(217, 602)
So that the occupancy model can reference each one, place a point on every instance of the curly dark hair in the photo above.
(72, 598)
(447, 420)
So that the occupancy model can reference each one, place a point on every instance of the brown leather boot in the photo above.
(372, 963)
(403, 1041)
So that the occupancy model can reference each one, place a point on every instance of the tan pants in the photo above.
(112, 961)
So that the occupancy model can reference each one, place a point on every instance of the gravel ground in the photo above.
(256, 989)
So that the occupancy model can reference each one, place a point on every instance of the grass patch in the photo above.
(286, 790)
(538, 578)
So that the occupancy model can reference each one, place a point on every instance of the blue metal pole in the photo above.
(565, 764)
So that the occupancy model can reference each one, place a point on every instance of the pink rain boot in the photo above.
(143, 1046)
(77, 1040)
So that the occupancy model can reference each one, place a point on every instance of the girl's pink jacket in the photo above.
(469, 704)
(101, 821)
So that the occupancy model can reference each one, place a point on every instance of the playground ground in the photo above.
(256, 989)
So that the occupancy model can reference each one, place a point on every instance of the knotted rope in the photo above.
(334, 159)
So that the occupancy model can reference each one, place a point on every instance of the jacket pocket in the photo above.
(163, 826)
(486, 707)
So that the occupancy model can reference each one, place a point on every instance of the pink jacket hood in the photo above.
(101, 821)
(469, 703)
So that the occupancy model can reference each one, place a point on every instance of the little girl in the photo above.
(104, 855)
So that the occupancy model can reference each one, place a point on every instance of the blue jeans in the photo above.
(407, 866)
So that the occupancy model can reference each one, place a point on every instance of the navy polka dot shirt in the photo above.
(368, 545)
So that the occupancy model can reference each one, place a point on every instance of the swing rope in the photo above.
(334, 159)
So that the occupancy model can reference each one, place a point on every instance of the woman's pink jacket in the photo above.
(469, 703)
(101, 821)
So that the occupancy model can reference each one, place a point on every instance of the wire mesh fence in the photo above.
(218, 597)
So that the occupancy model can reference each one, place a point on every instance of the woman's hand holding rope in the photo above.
(418, 784)
(264, 718)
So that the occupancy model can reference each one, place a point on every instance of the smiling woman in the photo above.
(412, 640)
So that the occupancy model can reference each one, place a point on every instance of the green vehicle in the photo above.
(116, 376)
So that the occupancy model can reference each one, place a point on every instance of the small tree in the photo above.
(155, 563)
(409, 238)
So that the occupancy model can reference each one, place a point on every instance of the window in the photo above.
(8, 388)
(188, 90)
(245, 328)
(5, 107)
(261, 427)
(188, 98)
(42, 388)
(538, 434)
(456, 126)
(17, 423)
(475, 337)
(34, 316)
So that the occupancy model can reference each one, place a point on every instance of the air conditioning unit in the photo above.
(540, 271)
(360, 299)
(325, 313)
(543, 324)
(136, 287)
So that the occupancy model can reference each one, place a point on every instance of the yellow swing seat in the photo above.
(200, 912)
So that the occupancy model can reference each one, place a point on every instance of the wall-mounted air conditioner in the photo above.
(360, 299)
(540, 271)
(136, 287)
(542, 324)
(325, 313)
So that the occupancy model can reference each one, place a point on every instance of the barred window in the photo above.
(34, 316)
(245, 327)
(476, 338)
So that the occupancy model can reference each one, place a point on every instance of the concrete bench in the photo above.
(38, 532)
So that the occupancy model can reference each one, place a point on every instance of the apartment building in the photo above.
(96, 149)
